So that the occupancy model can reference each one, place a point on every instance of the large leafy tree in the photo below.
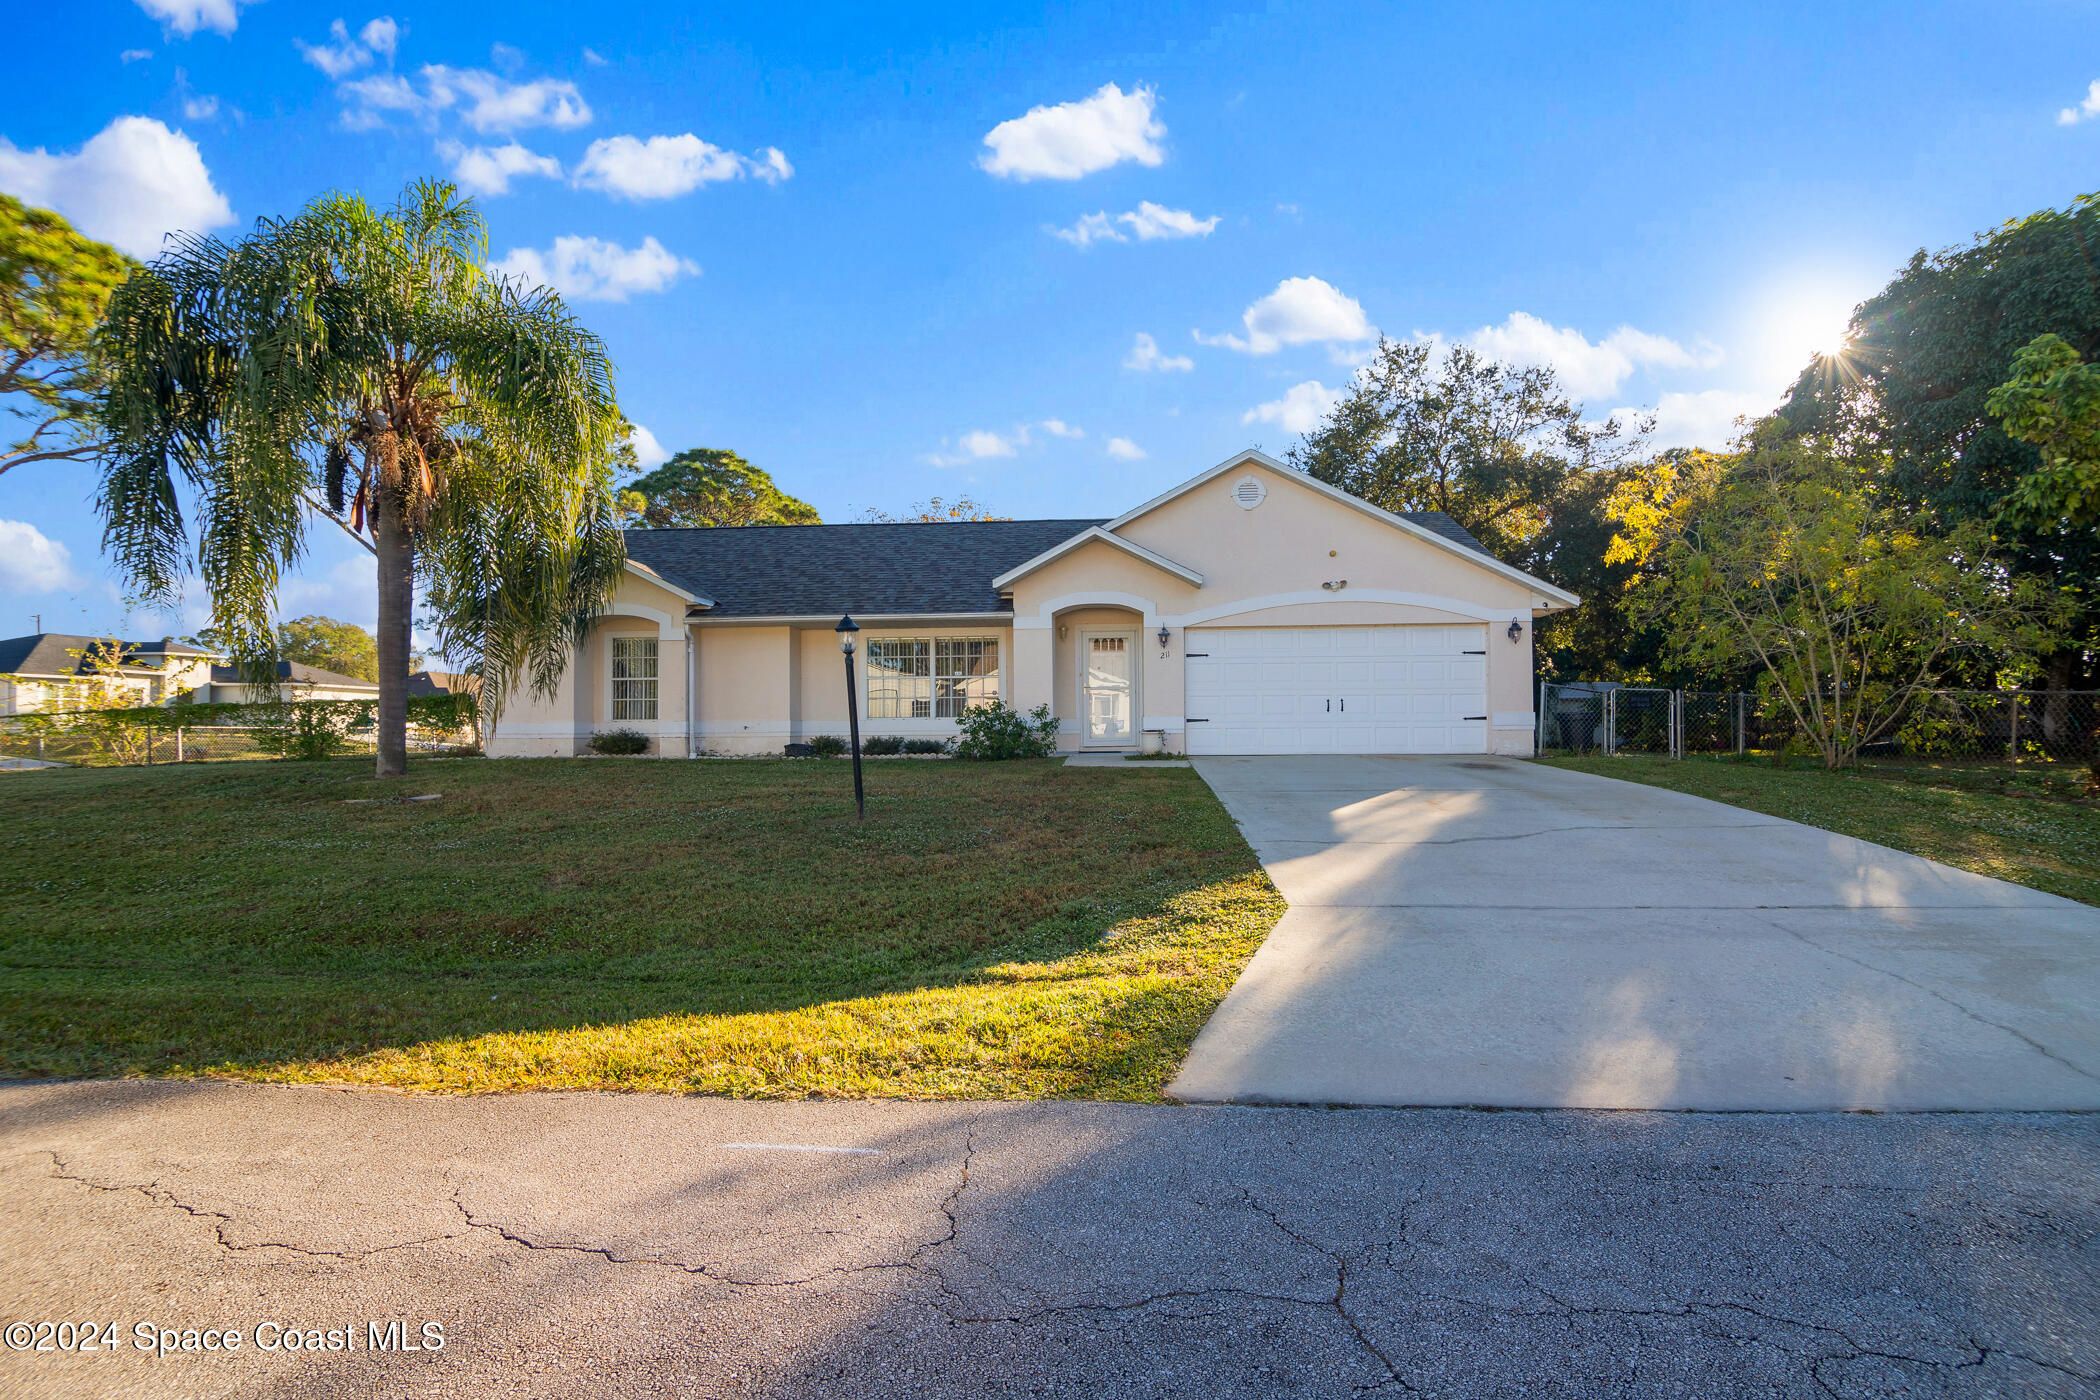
(709, 486)
(2052, 402)
(365, 365)
(1797, 562)
(54, 284)
(1493, 446)
(1916, 376)
(342, 647)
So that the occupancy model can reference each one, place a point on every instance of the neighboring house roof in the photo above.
(51, 653)
(443, 683)
(823, 570)
(297, 673)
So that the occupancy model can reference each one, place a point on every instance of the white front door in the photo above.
(1105, 689)
(1413, 689)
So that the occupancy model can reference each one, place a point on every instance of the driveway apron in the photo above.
(1492, 932)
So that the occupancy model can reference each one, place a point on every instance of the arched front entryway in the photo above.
(1098, 677)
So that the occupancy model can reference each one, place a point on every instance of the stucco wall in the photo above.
(532, 725)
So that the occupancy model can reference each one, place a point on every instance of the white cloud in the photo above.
(130, 56)
(1299, 410)
(1091, 228)
(648, 452)
(132, 182)
(979, 444)
(591, 269)
(594, 58)
(1301, 311)
(664, 167)
(378, 39)
(1058, 427)
(186, 17)
(506, 56)
(1152, 221)
(1073, 139)
(200, 109)
(490, 169)
(1148, 221)
(2084, 111)
(1584, 369)
(32, 562)
(1144, 354)
(484, 101)
(1702, 419)
(1124, 450)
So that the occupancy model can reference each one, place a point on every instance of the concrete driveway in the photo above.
(1475, 931)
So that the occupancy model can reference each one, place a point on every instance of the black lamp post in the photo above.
(848, 630)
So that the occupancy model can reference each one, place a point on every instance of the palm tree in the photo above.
(365, 367)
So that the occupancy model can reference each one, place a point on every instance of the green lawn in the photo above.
(2031, 825)
(995, 930)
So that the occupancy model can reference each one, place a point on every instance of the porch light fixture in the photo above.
(849, 632)
(1516, 631)
(1163, 636)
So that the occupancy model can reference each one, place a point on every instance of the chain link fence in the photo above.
(1604, 717)
(218, 734)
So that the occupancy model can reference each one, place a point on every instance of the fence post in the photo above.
(1611, 722)
(1676, 724)
(149, 745)
(2012, 726)
(1538, 722)
(1739, 724)
(178, 743)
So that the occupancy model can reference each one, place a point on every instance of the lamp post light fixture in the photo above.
(849, 631)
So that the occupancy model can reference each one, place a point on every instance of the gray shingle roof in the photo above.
(296, 672)
(50, 653)
(825, 570)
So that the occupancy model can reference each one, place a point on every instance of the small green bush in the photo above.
(881, 744)
(826, 745)
(993, 731)
(619, 741)
(925, 746)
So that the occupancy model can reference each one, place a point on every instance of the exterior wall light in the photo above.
(849, 631)
(1516, 631)
(1163, 636)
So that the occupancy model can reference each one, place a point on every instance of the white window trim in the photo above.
(933, 725)
(610, 698)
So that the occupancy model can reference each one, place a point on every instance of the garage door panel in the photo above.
(1337, 690)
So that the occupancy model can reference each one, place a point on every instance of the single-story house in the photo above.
(1251, 609)
(58, 670)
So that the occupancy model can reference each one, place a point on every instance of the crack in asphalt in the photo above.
(160, 1196)
(1840, 1346)
(1938, 995)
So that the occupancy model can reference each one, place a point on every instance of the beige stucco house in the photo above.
(1251, 609)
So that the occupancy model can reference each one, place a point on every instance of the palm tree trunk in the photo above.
(397, 594)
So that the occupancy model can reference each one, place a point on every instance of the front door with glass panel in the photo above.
(1106, 691)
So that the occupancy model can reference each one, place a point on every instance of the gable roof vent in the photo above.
(1249, 492)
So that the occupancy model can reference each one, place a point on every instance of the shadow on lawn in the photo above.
(1005, 930)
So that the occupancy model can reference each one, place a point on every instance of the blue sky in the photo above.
(897, 252)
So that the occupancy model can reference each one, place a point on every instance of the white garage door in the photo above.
(1337, 689)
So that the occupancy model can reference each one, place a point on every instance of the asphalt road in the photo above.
(588, 1245)
(1469, 931)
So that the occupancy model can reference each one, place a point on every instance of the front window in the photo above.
(634, 678)
(930, 677)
